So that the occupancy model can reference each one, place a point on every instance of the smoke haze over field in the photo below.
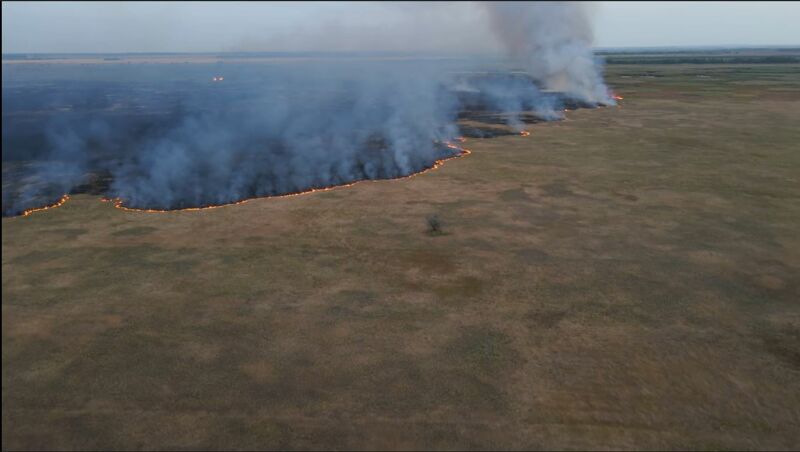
(174, 137)
(106, 27)
(311, 127)
(293, 26)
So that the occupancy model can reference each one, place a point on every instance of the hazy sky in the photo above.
(209, 26)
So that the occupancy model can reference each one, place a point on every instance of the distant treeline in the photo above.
(703, 59)
(697, 51)
(693, 56)
(220, 55)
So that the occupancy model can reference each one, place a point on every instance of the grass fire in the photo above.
(382, 226)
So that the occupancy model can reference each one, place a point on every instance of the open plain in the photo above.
(626, 278)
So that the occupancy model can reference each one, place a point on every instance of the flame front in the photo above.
(118, 203)
(58, 203)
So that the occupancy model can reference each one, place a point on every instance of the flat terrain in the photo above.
(627, 278)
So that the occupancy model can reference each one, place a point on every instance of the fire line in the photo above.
(118, 203)
(58, 203)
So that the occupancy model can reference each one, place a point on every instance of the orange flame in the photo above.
(525, 133)
(58, 203)
(436, 164)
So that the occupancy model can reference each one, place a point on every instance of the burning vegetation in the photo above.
(485, 118)
(187, 167)
(58, 203)
(286, 130)
(460, 152)
(119, 203)
(231, 150)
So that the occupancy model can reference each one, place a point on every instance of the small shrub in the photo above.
(434, 225)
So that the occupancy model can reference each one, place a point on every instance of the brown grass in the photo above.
(627, 278)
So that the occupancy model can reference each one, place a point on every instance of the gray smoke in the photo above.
(313, 126)
(552, 41)
(169, 137)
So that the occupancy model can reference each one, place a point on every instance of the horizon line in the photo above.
(401, 52)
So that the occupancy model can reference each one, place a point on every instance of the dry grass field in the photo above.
(627, 278)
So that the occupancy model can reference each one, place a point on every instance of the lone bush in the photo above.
(434, 225)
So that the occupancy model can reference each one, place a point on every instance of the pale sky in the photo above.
(30, 27)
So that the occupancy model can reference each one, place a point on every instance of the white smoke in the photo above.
(553, 42)
(276, 128)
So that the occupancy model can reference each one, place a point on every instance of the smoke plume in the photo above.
(168, 136)
(552, 41)
(313, 127)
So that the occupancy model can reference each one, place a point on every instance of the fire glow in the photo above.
(58, 203)
(118, 203)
